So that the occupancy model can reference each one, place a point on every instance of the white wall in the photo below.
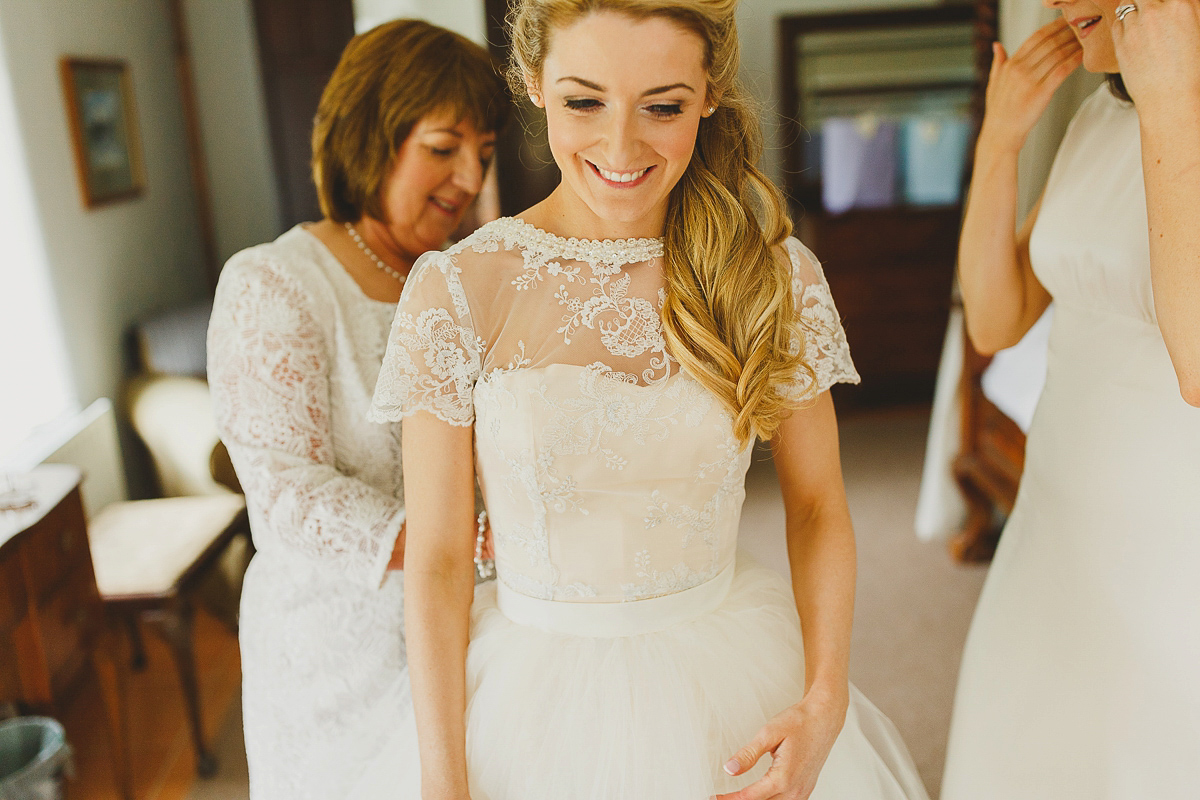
(233, 123)
(466, 17)
(110, 266)
(31, 343)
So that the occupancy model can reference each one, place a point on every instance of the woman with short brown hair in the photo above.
(403, 138)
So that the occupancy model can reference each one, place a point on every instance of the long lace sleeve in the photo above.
(825, 348)
(433, 355)
(268, 369)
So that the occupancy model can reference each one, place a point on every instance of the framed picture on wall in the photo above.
(103, 122)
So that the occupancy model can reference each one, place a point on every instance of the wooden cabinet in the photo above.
(52, 623)
(891, 274)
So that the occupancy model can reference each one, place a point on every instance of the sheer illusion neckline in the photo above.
(607, 251)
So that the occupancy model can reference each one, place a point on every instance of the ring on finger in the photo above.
(1125, 10)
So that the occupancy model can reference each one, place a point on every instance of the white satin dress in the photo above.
(1081, 676)
(626, 650)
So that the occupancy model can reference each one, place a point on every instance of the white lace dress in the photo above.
(294, 350)
(626, 651)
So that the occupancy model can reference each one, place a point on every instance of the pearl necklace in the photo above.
(371, 254)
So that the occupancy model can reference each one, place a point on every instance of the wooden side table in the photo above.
(52, 623)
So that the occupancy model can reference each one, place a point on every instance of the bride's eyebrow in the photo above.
(656, 90)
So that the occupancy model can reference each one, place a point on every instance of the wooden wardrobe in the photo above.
(891, 268)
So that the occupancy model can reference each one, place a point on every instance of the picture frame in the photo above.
(103, 122)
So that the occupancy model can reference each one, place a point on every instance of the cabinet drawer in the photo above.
(12, 591)
(895, 344)
(56, 546)
(897, 288)
(68, 618)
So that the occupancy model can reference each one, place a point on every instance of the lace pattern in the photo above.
(294, 350)
(609, 474)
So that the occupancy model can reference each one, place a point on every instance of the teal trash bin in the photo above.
(34, 758)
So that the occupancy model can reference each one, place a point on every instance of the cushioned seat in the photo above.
(147, 547)
(149, 556)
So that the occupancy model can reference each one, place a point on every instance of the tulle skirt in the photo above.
(631, 712)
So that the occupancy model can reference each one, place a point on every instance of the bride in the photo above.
(604, 362)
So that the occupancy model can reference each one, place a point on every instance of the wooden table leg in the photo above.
(111, 664)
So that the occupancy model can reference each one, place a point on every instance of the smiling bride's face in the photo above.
(623, 99)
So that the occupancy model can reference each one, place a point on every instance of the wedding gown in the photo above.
(626, 651)
(1080, 677)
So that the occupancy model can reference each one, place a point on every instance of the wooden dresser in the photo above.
(52, 623)
(921, 71)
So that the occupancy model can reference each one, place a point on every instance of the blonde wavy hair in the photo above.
(729, 316)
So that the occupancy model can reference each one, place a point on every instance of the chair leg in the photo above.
(137, 658)
(174, 623)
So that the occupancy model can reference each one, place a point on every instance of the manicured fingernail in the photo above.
(732, 766)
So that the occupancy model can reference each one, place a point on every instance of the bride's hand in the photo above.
(1158, 49)
(1020, 86)
(798, 740)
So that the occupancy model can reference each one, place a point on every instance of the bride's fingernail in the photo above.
(732, 766)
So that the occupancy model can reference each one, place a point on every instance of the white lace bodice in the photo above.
(609, 474)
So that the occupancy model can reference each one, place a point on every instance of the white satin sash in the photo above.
(609, 620)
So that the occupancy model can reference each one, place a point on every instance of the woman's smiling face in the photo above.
(623, 99)
(1091, 22)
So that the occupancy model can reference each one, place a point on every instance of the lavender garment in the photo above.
(858, 163)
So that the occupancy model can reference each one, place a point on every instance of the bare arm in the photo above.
(1158, 48)
(821, 553)
(1002, 296)
(438, 590)
(1171, 161)
(820, 539)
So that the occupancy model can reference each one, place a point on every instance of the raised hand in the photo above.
(798, 740)
(1158, 48)
(1020, 87)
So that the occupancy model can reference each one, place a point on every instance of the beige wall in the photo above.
(462, 16)
(116, 264)
(233, 123)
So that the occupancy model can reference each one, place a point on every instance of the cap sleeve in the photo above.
(433, 355)
(824, 344)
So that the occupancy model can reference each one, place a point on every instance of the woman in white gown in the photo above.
(607, 385)
(1080, 676)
